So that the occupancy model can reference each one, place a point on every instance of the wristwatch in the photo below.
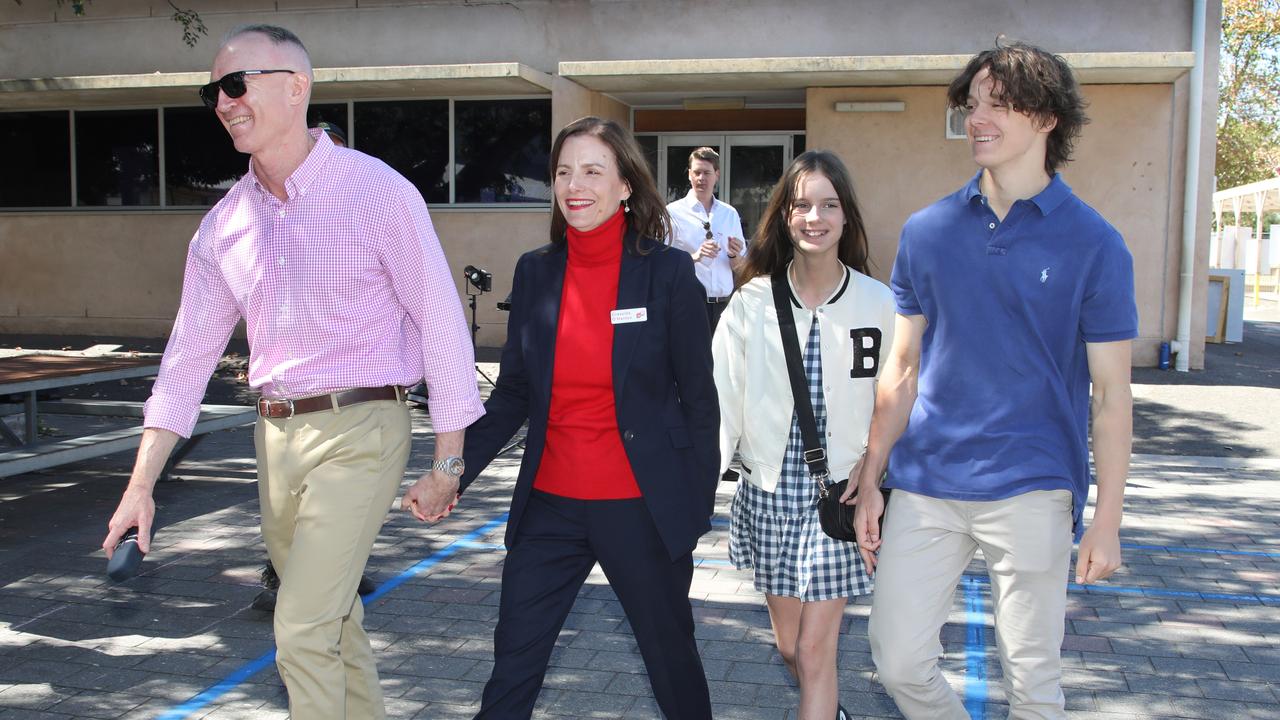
(452, 465)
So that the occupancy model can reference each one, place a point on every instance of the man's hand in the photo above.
(708, 249)
(431, 498)
(136, 509)
(735, 247)
(1099, 554)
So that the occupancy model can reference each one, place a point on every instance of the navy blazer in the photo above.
(667, 409)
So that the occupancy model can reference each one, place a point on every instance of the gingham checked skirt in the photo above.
(778, 533)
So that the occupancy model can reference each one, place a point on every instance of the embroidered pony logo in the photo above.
(1044, 275)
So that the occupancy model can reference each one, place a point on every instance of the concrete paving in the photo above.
(1189, 628)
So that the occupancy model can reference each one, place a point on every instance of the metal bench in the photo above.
(44, 455)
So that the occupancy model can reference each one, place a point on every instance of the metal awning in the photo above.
(745, 74)
(331, 84)
(1264, 194)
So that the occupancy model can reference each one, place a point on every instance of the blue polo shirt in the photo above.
(1003, 394)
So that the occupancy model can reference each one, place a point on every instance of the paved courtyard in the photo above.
(1189, 628)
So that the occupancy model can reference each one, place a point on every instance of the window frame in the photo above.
(352, 135)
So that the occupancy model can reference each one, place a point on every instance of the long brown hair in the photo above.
(648, 215)
(772, 248)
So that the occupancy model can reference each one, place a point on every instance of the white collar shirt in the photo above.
(689, 232)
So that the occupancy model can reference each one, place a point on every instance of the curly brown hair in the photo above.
(772, 247)
(1035, 82)
(648, 214)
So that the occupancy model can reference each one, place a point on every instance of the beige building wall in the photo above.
(41, 38)
(103, 273)
(570, 101)
(84, 271)
(1126, 166)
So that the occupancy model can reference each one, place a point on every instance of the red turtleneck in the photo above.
(584, 458)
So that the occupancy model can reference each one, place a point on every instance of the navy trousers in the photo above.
(557, 544)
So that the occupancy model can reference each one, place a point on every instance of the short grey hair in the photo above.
(276, 34)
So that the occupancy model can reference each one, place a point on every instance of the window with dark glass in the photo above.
(333, 113)
(37, 159)
(412, 137)
(649, 145)
(500, 151)
(117, 158)
(200, 162)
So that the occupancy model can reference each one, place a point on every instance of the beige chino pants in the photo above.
(928, 543)
(326, 481)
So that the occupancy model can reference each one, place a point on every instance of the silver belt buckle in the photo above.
(265, 404)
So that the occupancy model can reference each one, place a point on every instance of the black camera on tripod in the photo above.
(479, 278)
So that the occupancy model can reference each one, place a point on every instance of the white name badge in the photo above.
(628, 315)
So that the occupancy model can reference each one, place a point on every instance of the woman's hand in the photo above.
(850, 495)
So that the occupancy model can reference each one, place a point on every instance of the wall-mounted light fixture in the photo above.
(889, 106)
(714, 103)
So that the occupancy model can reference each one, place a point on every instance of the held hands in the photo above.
(1099, 554)
(863, 493)
(136, 509)
(866, 524)
(433, 497)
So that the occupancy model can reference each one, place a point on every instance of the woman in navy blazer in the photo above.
(662, 437)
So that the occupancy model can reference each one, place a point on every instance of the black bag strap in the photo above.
(815, 456)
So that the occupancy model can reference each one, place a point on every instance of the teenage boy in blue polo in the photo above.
(1013, 296)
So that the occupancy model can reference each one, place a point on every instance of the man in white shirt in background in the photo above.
(709, 230)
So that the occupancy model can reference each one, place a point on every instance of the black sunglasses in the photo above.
(232, 84)
(707, 226)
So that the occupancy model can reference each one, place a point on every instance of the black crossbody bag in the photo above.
(835, 516)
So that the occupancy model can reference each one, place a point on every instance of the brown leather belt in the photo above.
(285, 408)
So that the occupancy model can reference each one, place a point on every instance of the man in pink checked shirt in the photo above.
(331, 259)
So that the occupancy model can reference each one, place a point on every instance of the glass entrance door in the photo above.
(750, 165)
(673, 158)
(756, 163)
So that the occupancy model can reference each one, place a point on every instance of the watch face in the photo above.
(454, 465)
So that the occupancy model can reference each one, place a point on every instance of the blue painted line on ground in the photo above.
(975, 651)
(199, 702)
(1251, 598)
(1108, 589)
(975, 648)
(251, 668)
(1176, 549)
(480, 546)
(1201, 550)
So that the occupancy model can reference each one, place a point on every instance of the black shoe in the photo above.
(841, 713)
(270, 580)
(366, 586)
(265, 601)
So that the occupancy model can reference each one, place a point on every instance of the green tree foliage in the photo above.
(1249, 92)
(192, 26)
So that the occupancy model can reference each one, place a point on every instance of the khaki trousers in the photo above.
(928, 543)
(326, 480)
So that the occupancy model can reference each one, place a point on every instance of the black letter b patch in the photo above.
(866, 352)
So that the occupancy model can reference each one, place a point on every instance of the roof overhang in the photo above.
(331, 84)
(748, 74)
(1264, 194)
